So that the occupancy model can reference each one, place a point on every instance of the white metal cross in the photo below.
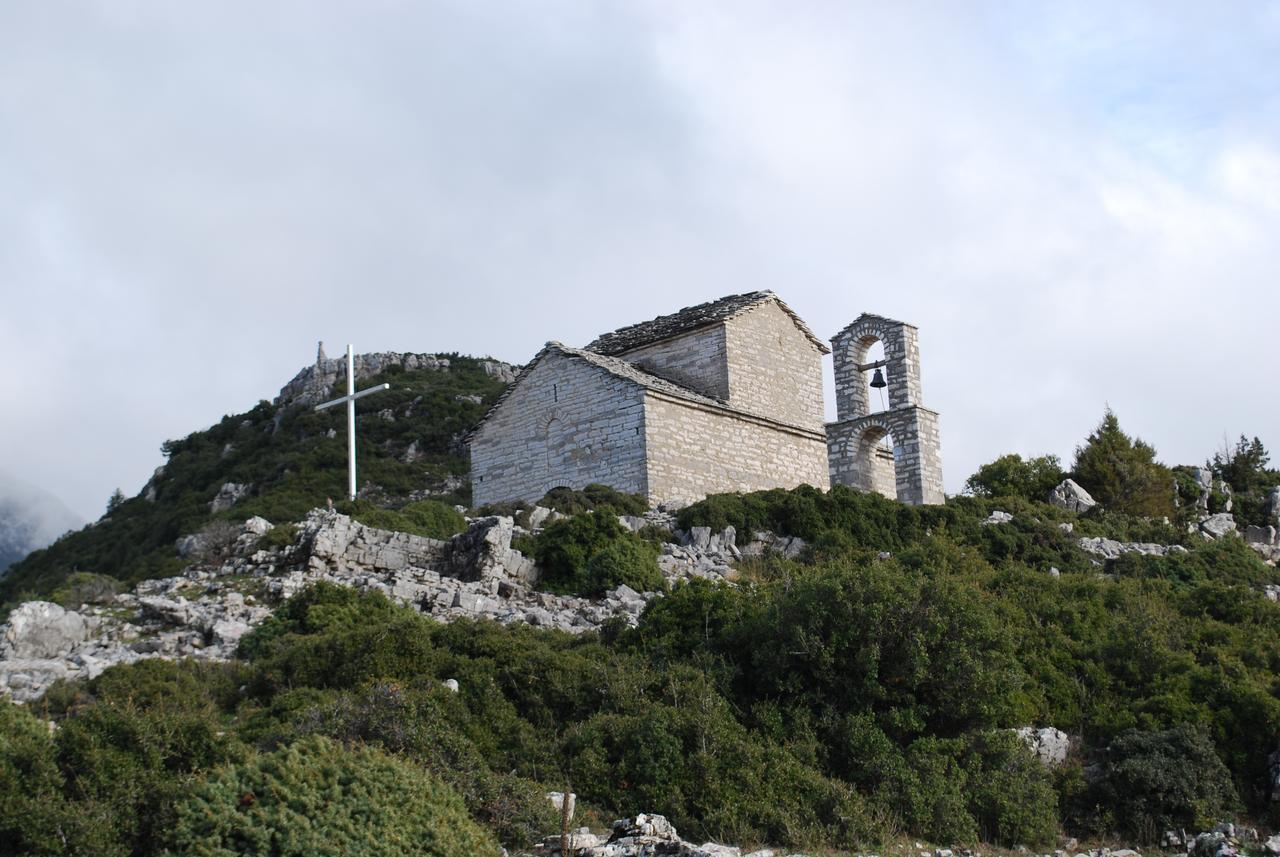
(350, 399)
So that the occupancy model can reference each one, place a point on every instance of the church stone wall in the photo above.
(696, 450)
(696, 360)
(774, 369)
(566, 423)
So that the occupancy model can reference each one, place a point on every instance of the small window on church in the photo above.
(555, 392)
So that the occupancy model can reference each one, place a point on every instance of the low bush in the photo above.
(568, 501)
(1164, 780)
(85, 587)
(429, 518)
(593, 552)
(315, 797)
(279, 537)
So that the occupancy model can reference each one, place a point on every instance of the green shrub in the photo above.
(320, 607)
(567, 501)
(31, 803)
(429, 518)
(593, 552)
(1170, 779)
(1012, 476)
(314, 797)
(151, 729)
(281, 536)
(426, 722)
(1010, 793)
(85, 587)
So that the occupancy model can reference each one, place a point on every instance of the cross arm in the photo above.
(378, 389)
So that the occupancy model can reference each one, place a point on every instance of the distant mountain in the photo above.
(30, 518)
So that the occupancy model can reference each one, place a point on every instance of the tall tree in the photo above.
(1122, 472)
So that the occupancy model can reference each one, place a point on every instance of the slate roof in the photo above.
(633, 336)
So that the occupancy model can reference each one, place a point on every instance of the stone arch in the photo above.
(901, 364)
(877, 467)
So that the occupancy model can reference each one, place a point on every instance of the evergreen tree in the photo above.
(1243, 467)
(1122, 472)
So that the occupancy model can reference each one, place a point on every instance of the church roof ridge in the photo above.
(634, 336)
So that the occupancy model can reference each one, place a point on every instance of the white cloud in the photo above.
(1075, 204)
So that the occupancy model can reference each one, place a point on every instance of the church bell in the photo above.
(877, 380)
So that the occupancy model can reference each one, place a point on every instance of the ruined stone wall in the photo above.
(696, 360)
(774, 369)
(695, 451)
(566, 423)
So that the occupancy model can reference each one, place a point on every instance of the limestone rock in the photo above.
(504, 372)
(484, 552)
(258, 526)
(1217, 526)
(557, 800)
(41, 629)
(228, 495)
(1112, 549)
(1204, 480)
(998, 517)
(1050, 745)
(1260, 535)
(1271, 847)
(1070, 496)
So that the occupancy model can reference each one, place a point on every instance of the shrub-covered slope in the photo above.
(293, 459)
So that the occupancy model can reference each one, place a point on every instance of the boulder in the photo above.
(41, 629)
(1217, 526)
(1049, 745)
(258, 526)
(1271, 848)
(1070, 496)
(1273, 506)
(998, 517)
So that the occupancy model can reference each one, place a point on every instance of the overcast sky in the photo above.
(1077, 204)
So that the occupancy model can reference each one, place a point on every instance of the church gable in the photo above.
(774, 367)
(565, 421)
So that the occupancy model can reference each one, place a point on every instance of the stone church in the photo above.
(724, 396)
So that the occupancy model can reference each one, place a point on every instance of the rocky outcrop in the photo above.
(316, 383)
(642, 836)
(204, 612)
(1070, 496)
(1112, 549)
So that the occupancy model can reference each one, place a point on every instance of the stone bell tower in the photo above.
(912, 472)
